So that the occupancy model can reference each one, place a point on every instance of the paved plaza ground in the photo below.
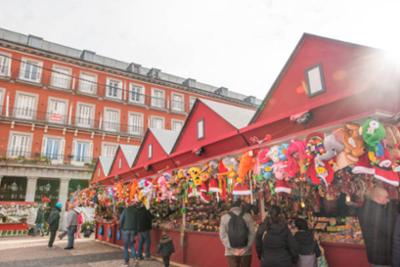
(33, 252)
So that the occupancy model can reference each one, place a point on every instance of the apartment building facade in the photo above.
(61, 108)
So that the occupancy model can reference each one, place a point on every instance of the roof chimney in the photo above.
(250, 99)
(222, 91)
(133, 67)
(88, 55)
(189, 82)
(35, 41)
(154, 73)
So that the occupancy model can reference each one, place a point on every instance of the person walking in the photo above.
(54, 221)
(308, 247)
(237, 233)
(39, 220)
(144, 226)
(275, 244)
(71, 224)
(165, 248)
(377, 219)
(129, 225)
(79, 226)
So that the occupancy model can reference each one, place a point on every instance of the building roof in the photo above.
(106, 163)
(166, 138)
(130, 67)
(130, 153)
(238, 117)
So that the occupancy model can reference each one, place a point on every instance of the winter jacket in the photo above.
(223, 231)
(276, 246)
(39, 216)
(129, 219)
(72, 218)
(54, 219)
(377, 226)
(396, 244)
(166, 246)
(144, 219)
(306, 243)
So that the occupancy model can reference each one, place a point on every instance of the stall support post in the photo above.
(261, 202)
(182, 232)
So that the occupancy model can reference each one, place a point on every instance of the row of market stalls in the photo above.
(326, 132)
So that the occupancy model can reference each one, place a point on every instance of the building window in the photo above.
(87, 83)
(157, 98)
(177, 103)
(108, 149)
(136, 93)
(135, 123)
(61, 77)
(5, 65)
(57, 111)
(82, 151)
(13, 188)
(114, 89)
(84, 115)
(53, 148)
(150, 151)
(2, 93)
(200, 129)
(111, 120)
(177, 125)
(157, 122)
(31, 70)
(20, 145)
(192, 99)
(25, 106)
(315, 80)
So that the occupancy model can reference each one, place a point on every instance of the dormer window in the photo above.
(200, 129)
(150, 151)
(315, 80)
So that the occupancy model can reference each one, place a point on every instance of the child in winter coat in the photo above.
(165, 248)
(308, 248)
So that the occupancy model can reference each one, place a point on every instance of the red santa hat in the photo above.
(363, 166)
(213, 186)
(241, 190)
(387, 176)
(281, 186)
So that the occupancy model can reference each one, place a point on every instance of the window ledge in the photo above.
(60, 88)
(5, 77)
(113, 99)
(158, 108)
(86, 94)
(137, 104)
(38, 84)
(181, 112)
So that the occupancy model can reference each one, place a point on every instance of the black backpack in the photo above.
(238, 232)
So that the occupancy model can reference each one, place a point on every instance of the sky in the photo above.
(241, 45)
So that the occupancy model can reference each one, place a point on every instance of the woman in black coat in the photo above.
(275, 243)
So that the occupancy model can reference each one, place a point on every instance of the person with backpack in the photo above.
(54, 221)
(237, 233)
(308, 247)
(275, 244)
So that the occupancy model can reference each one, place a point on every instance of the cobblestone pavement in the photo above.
(33, 252)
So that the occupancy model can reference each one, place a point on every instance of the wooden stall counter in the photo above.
(345, 255)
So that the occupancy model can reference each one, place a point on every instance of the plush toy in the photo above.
(393, 145)
(373, 133)
(353, 142)
(318, 170)
(133, 190)
(296, 158)
(194, 173)
(246, 164)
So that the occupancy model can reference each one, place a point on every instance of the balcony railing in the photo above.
(21, 156)
(53, 118)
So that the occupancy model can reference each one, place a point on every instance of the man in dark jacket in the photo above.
(54, 220)
(275, 244)
(144, 226)
(128, 224)
(39, 221)
(308, 248)
(396, 244)
(377, 219)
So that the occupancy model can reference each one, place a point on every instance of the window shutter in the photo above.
(62, 147)
(90, 153)
(73, 150)
(44, 146)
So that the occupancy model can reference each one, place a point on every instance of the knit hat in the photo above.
(58, 205)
